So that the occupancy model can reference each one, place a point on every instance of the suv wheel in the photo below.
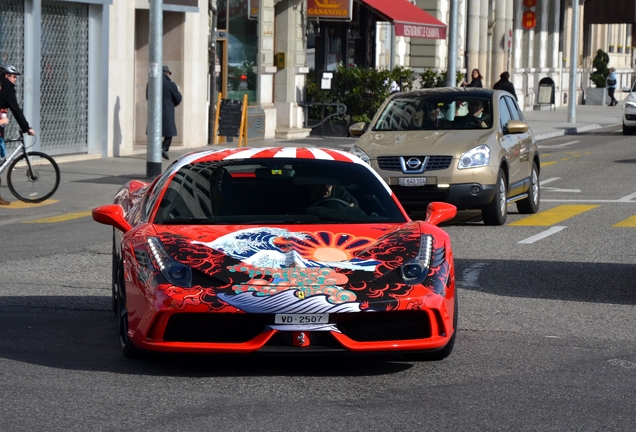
(496, 212)
(530, 205)
(627, 130)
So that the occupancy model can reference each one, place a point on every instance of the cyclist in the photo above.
(8, 77)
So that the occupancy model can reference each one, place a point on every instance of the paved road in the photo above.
(546, 338)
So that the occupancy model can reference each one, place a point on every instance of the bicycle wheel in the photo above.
(36, 184)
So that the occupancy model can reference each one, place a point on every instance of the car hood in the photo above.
(433, 142)
(339, 268)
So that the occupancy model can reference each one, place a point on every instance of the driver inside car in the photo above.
(321, 192)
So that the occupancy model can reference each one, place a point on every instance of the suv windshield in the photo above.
(434, 112)
(285, 191)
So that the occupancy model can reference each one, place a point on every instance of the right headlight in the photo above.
(474, 158)
(357, 151)
(631, 104)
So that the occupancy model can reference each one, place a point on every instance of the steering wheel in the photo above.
(322, 201)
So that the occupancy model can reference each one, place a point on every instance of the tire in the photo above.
(444, 352)
(496, 212)
(627, 130)
(127, 347)
(37, 187)
(530, 205)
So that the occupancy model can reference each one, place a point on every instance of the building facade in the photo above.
(85, 62)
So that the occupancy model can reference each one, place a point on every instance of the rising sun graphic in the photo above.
(326, 246)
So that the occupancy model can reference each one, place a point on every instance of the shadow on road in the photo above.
(87, 340)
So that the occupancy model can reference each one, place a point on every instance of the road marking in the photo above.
(22, 205)
(61, 218)
(622, 363)
(470, 276)
(627, 223)
(551, 189)
(544, 234)
(550, 180)
(545, 164)
(627, 198)
(554, 215)
(557, 145)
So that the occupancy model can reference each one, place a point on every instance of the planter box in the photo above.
(596, 96)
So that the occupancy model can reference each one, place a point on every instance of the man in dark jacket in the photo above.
(8, 100)
(505, 84)
(171, 97)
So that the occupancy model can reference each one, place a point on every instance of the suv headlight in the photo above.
(477, 157)
(357, 151)
(630, 104)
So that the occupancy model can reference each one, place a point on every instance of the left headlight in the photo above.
(361, 154)
(176, 273)
(474, 158)
(415, 271)
(631, 104)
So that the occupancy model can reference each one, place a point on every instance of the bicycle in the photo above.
(32, 176)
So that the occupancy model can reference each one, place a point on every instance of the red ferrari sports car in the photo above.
(282, 250)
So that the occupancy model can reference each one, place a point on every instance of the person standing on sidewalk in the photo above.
(8, 100)
(611, 86)
(505, 84)
(171, 97)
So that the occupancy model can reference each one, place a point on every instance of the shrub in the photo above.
(599, 76)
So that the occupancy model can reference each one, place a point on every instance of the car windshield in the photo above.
(270, 191)
(436, 111)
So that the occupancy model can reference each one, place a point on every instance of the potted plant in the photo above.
(596, 95)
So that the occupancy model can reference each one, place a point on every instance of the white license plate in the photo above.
(412, 181)
(301, 319)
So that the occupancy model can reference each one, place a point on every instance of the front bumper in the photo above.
(463, 196)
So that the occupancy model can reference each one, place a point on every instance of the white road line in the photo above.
(544, 234)
(557, 145)
(587, 201)
(551, 189)
(550, 180)
(628, 198)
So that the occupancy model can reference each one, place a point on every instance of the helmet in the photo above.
(9, 69)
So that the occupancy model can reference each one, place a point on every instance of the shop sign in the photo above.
(529, 3)
(330, 9)
(419, 31)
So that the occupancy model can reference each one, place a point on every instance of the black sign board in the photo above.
(230, 115)
(546, 91)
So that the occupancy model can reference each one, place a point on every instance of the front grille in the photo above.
(385, 326)
(392, 163)
(215, 327)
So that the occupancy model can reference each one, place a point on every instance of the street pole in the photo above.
(574, 55)
(155, 84)
(212, 72)
(451, 74)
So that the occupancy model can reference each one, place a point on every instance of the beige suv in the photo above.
(466, 146)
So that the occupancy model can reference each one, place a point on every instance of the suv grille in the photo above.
(392, 163)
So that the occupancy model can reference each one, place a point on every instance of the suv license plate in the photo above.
(412, 181)
(301, 319)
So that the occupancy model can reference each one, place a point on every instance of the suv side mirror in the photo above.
(516, 127)
(357, 129)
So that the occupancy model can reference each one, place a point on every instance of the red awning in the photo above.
(409, 20)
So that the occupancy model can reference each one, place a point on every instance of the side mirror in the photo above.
(357, 129)
(438, 212)
(113, 215)
(517, 127)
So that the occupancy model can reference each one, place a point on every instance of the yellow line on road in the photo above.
(61, 218)
(627, 223)
(554, 215)
(545, 164)
(23, 205)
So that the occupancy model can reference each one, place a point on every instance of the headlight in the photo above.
(176, 273)
(357, 151)
(631, 104)
(477, 157)
(415, 271)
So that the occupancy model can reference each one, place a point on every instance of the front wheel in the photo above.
(496, 212)
(35, 180)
